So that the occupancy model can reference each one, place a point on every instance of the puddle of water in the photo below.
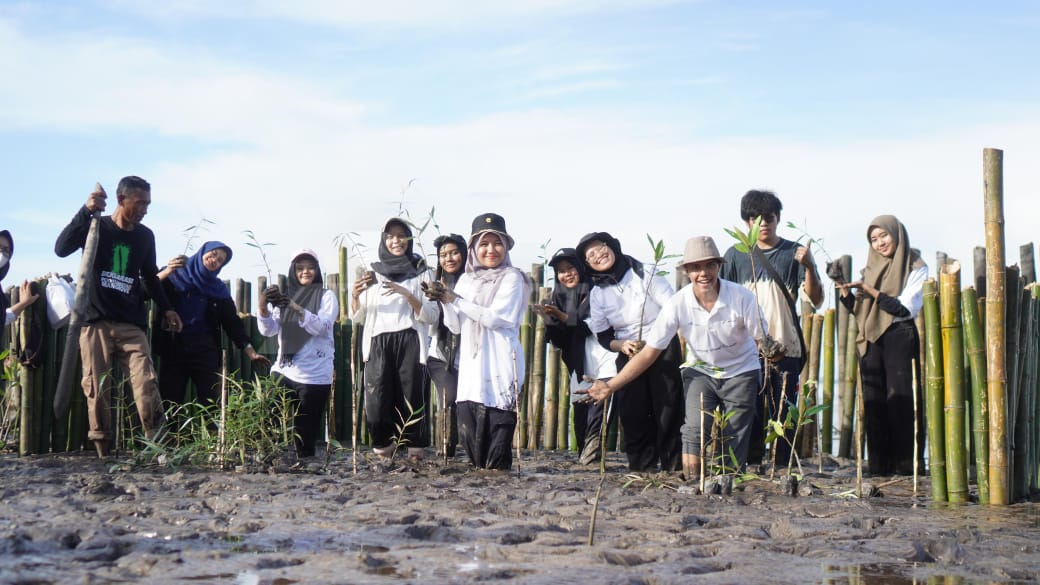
(888, 574)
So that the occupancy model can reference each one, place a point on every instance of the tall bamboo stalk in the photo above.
(808, 397)
(1035, 300)
(526, 342)
(934, 391)
(993, 181)
(536, 386)
(953, 376)
(827, 384)
(842, 329)
(563, 404)
(27, 423)
(976, 346)
(1012, 320)
(552, 378)
(848, 397)
(1023, 464)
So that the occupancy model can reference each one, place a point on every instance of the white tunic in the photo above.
(619, 306)
(313, 363)
(720, 342)
(385, 313)
(600, 363)
(490, 368)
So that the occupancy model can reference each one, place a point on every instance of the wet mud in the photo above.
(75, 519)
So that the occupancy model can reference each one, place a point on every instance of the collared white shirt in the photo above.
(313, 363)
(720, 342)
(386, 313)
(622, 305)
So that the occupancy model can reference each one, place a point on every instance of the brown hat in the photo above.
(698, 249)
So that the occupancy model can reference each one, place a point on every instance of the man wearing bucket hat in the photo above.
(721, 325)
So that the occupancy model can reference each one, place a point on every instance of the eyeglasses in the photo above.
(596, 252)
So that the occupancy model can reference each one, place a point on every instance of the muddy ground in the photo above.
(76, 519)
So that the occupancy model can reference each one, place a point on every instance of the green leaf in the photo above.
(742, 248)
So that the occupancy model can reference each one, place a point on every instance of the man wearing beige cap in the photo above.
(721, 325)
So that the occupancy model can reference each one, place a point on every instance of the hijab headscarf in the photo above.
(487, 281)
(574, 302)
(622, 262)
(448, 342)
(7, 265)
(3, 273)
(308, 297)
(887, 275)
(398, 268)
(196, 277)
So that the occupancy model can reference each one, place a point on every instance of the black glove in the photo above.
(434, 290)
(273, 295)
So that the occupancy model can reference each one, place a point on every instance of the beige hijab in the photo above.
(887, 275)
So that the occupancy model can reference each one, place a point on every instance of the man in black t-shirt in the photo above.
(115, 320)
(796, 268)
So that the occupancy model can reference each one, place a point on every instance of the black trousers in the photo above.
(487, 435)
(588, 421)
(190, 357)
(395, 392)
(310, 402)
(651, 409)
(887, 374)
(446, 382)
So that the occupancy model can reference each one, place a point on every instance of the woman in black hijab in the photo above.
(443, 359)
(567, 328)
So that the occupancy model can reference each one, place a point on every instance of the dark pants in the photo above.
(887, 374)
(736, 397)
(395, 393)
(651, 409)
(487, 434)
(770, 404)
(447, 383)
(588, 421)
(310, 400)
(190, 357)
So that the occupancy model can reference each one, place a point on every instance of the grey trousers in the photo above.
(734, 396)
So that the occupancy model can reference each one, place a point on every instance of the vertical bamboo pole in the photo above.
(344, 294)
(27, 423)
(808, 397)
(563, 404)
(1027, 262)
(1022, 463)
(1035, 386)
(848, 398)
(827, 384)
(526, 342)
(953, 377)
(552, 378)
(934, 392)
(842, 330)
(976, 346)
(536, 388)
(996, 383)
(1012, 320)
(979, 259)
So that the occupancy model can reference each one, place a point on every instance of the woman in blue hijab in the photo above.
(205, 306)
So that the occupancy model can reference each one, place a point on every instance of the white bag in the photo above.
(61, 295)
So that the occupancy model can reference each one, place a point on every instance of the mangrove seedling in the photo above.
(253, 242)
(746, 243)
(191, 233)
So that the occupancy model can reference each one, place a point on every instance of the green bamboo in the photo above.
(848, 396)
(953, 377)
(27, 423)
(996, 372)
(1012, 320)
(1035, 300)
(536, 385)
(842, 331)
(976, 347)
(527, 343)
(563, 404)
(827, 383)
(344, 290)
(808, 396)
(934, 391)
(552, 379)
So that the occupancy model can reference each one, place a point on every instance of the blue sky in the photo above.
(301, 121)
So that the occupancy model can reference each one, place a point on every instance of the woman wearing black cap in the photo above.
(565, 325)
(623, 304)
(443, 359)
(396, 317)
(485, 308)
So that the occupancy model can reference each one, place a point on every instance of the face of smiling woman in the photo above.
(491, 252)
(306, 269)
(396, 239)
(882, 242)
(450, 258)
(214, 260)
(599, 256)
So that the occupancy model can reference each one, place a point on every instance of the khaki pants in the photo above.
(99, 343)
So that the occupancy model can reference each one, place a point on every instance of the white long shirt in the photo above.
(912, 295)
(619, 305)
(720, 342)
(313, 363)
(386, 313)
(491, 373)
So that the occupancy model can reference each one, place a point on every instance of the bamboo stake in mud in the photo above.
(563, 404)
(976, 349)
(848, 397)
(827, 385)
(916, 390)
(996, 384)
(536, 380)
(1022, 464)
(702, 465)
(842, 316)
(552, 376)
(859, 434)
(602, 466)
(808, 396)
(1012, 320)
(517, 396)
(222, 430)
(934, 391)
(953, 377)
